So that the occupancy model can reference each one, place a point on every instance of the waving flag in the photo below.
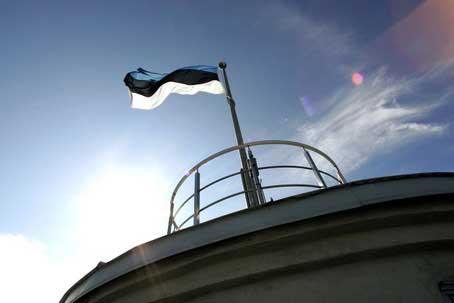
(148, 90)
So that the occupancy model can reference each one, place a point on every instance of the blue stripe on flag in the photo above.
(206, 68)
(142, 74)
(145, 75)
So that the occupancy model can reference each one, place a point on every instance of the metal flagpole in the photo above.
(250, 194)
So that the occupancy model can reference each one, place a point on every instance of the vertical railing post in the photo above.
(319, 177)
(340, 176)
(196, 197)
(169, 228)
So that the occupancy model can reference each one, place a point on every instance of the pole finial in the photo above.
(222, 65)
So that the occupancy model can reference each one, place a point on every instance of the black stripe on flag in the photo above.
(185, 76)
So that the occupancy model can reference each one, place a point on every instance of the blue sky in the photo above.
(84, 177)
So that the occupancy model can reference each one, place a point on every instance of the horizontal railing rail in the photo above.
(173, 226)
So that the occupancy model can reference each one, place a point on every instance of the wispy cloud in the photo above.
(369, 120)
(355, 124)
(313, 33)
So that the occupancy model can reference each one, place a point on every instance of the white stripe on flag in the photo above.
(141, 102)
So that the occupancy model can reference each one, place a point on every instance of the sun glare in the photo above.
(119, 209)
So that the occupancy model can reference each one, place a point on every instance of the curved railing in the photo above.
(252, 172)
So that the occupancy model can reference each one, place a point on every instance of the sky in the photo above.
(84, 178)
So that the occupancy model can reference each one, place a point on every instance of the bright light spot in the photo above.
(119, 209)
(357, 79)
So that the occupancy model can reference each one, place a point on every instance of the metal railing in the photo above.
(253, 173)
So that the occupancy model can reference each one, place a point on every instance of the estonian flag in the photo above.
(148, 90)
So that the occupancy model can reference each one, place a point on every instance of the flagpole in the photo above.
(250, 194)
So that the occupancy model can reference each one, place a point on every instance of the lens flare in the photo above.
(357, 79)
(307, 106)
